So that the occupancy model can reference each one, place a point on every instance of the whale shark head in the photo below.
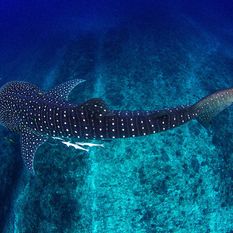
(12, 96)
(20, 101)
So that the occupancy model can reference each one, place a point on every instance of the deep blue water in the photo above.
(135, 55)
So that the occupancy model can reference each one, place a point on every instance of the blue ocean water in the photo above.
(135, 55)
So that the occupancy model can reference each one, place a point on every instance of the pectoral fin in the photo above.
(29, 145)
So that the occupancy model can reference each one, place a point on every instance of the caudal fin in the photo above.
(211, 105)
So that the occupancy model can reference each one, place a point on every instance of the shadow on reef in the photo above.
(79, 58)
(223, 140)
(112, 45)
(10, 170)
(210, 70)
(53, 201)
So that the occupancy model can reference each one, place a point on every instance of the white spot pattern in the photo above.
(34, 113)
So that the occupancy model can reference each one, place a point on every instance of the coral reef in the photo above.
(177, 181)
(10, 168)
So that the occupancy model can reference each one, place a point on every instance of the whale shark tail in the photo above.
(209, 106)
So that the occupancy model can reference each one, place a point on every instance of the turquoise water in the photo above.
(141, 56)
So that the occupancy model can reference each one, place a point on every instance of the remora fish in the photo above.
(38, 115)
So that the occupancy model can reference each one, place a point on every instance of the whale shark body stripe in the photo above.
(38, 115)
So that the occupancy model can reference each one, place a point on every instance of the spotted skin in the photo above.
(38, 115)
(93, 121)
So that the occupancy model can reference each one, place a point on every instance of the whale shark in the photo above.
(38, 115)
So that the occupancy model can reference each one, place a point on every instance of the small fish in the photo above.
(38, 115)
(10, 140)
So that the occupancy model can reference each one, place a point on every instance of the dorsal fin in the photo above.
(160, 114)
(95, 106)
(63, 90)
